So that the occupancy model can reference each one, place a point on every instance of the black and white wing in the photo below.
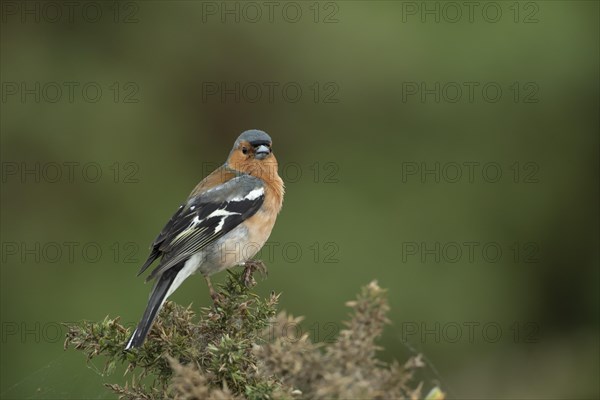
(203, 219)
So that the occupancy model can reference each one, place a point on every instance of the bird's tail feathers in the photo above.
(157, 298)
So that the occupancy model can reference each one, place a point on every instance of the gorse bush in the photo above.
(239, 349)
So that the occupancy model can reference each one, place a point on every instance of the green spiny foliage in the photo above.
(237, 349)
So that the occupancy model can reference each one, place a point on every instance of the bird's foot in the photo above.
(250, 267)
(216, 296)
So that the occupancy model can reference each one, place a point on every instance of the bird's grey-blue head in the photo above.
(254, 143)
(253, 136)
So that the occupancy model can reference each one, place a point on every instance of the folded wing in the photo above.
(203, 219)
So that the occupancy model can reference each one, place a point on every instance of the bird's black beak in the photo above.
(261, 152)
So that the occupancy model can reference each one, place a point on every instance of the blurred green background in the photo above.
(364, 103)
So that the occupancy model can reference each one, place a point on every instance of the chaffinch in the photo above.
(224, 222)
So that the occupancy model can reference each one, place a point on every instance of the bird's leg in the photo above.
(213, 294)
(249, 267)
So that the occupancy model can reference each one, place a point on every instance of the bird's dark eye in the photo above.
(244, 150)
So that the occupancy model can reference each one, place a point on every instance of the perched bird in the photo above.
(224, 222)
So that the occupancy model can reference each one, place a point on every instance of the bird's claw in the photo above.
(250, 267)
(216, 297)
